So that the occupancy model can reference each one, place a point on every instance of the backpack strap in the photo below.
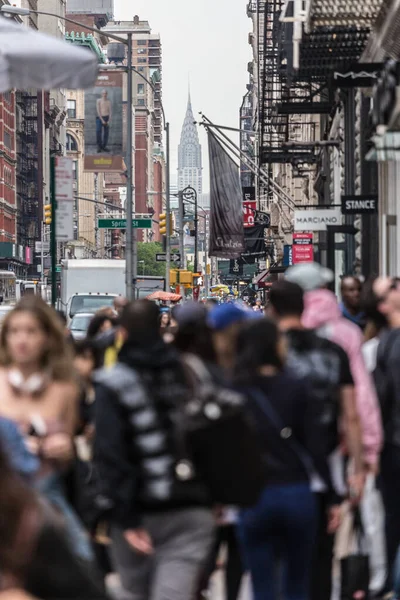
(284, 432)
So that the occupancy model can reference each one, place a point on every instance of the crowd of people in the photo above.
(166, 435)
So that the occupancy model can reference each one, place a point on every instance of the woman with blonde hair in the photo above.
(39, 393)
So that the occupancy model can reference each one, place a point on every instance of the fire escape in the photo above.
(27, 169)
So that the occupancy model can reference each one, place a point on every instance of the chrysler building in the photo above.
(189, 154)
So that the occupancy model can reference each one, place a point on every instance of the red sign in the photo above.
(248, 213)
(196, 293)
(303, 249)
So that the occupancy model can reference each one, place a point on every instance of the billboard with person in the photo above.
(104, 124)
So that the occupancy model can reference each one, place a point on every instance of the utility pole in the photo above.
(168, 214)
(131, 238)
(96, 213)
(205, 248)
(196, 233)
(53, 243)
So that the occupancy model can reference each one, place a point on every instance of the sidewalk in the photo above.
(216, 588)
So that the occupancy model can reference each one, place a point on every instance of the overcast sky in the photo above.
(205, 42)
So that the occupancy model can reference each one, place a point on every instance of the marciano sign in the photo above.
(316, 219)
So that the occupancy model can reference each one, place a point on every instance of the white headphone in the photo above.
(34, 384)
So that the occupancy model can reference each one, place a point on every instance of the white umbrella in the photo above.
(30, 59)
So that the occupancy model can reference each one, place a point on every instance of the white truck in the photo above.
(90, 284)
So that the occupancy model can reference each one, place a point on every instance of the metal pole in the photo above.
(350, 171)
(206, 282)
(181, 231)
(168, 213)
(96, 213)
(42, 254)
(53, 244)
(196, 233)
(131, 272)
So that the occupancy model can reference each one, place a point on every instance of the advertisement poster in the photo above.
(303, 249)
(104, 124)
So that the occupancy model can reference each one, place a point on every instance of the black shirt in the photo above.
(290, 398)
(326, 368)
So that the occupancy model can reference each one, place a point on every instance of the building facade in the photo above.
(89, 188)
(147, 61)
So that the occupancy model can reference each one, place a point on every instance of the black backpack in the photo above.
(319, 365)
(382, 379)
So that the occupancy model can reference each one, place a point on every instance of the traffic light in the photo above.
(163, 223)
(48, 214)
(173, 276)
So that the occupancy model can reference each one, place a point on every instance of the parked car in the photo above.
(79, 325)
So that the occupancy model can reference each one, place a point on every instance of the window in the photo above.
(142, 51)
(72, 145)
(140, 102)
(71, 108)
(141, 69)
(140, 88)
(142, 42)
(7, 97)
(142, 60)
(75, 169)
(7, 140)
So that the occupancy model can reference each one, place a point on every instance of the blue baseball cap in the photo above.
(223, 316)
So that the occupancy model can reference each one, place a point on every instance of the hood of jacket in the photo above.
(320, 307)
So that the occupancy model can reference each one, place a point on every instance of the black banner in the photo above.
(249, 194)
(226, 212)
(236, 267)
(254, 241)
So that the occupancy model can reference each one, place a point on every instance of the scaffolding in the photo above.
(28, 222)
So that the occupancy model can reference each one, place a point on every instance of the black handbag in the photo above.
(355, 572)
(218, 438)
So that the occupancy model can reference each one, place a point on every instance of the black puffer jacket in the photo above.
(136, 450)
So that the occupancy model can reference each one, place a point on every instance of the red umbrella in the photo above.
(166, 296)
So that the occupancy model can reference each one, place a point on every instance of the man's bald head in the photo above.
(119, 304)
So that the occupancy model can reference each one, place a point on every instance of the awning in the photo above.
(164, 296)
(261, 279)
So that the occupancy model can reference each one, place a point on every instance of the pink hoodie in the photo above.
(322, 312)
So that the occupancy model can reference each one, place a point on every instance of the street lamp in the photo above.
(189, 194)
(131, 240)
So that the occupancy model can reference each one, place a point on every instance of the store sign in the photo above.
(249, 209)
(303, 249)
(287, 255)
(359, 205)
(64, 199)
(249, 205)
(316, 219)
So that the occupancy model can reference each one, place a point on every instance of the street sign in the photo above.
(42, 246)
(58, 269)
(64, 199)
(359, 205)
(121, 223)
(162, 257)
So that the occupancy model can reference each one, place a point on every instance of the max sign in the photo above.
(316, 220)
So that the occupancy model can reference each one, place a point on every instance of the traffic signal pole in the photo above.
(53, 244)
